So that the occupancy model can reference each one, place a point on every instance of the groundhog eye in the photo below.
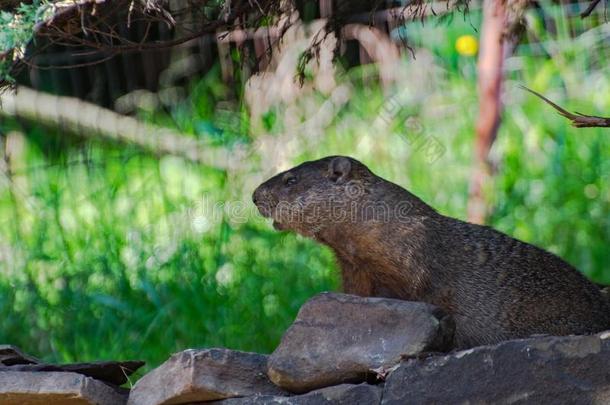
(290, 181)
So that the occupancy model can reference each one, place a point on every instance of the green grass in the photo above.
(107, 253)
(108, 263)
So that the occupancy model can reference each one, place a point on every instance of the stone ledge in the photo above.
(204, 375)
(344, 394)
(340, 338)
(542, 370)
(389, 347)
(60, 388)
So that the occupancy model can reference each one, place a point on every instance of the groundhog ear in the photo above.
(339, 169)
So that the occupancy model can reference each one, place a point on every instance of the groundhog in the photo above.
(389, 243)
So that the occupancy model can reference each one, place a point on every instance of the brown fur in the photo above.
(390, 243)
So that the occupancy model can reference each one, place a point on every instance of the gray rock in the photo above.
(10, 355)
(112, 372)
(543, 370)
(344, 394)
(55, 388)
(204, 375)
(340, 338)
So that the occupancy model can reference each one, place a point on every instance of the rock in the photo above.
(543, 370)
(344, 394)
(10, 355)
(112, 372)
(204, 375)
(50, 388)
(340, 338)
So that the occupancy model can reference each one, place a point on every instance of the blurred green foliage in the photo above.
(16, 30)
(107, 253)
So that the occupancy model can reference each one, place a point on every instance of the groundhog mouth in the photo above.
(265, 210)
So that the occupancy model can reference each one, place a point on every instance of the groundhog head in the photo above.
(314, 195)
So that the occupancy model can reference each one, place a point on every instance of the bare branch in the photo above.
(578, 120)
(589, 9)
(90, 121)
(92, 26)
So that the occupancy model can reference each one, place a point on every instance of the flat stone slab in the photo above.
(543, 370)
(344, 394)
(11, 355)
(204, 375)
(340, 338)
(112, 372)
(55, 388)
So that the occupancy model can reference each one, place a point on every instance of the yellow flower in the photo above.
(467, 45)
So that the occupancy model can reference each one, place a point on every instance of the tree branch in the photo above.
(589, 9)
(578, 120)
(90, 121)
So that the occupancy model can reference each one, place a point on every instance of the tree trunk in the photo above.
(495, 47)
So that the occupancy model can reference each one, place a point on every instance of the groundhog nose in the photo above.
(261, 199)
(257, 196)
